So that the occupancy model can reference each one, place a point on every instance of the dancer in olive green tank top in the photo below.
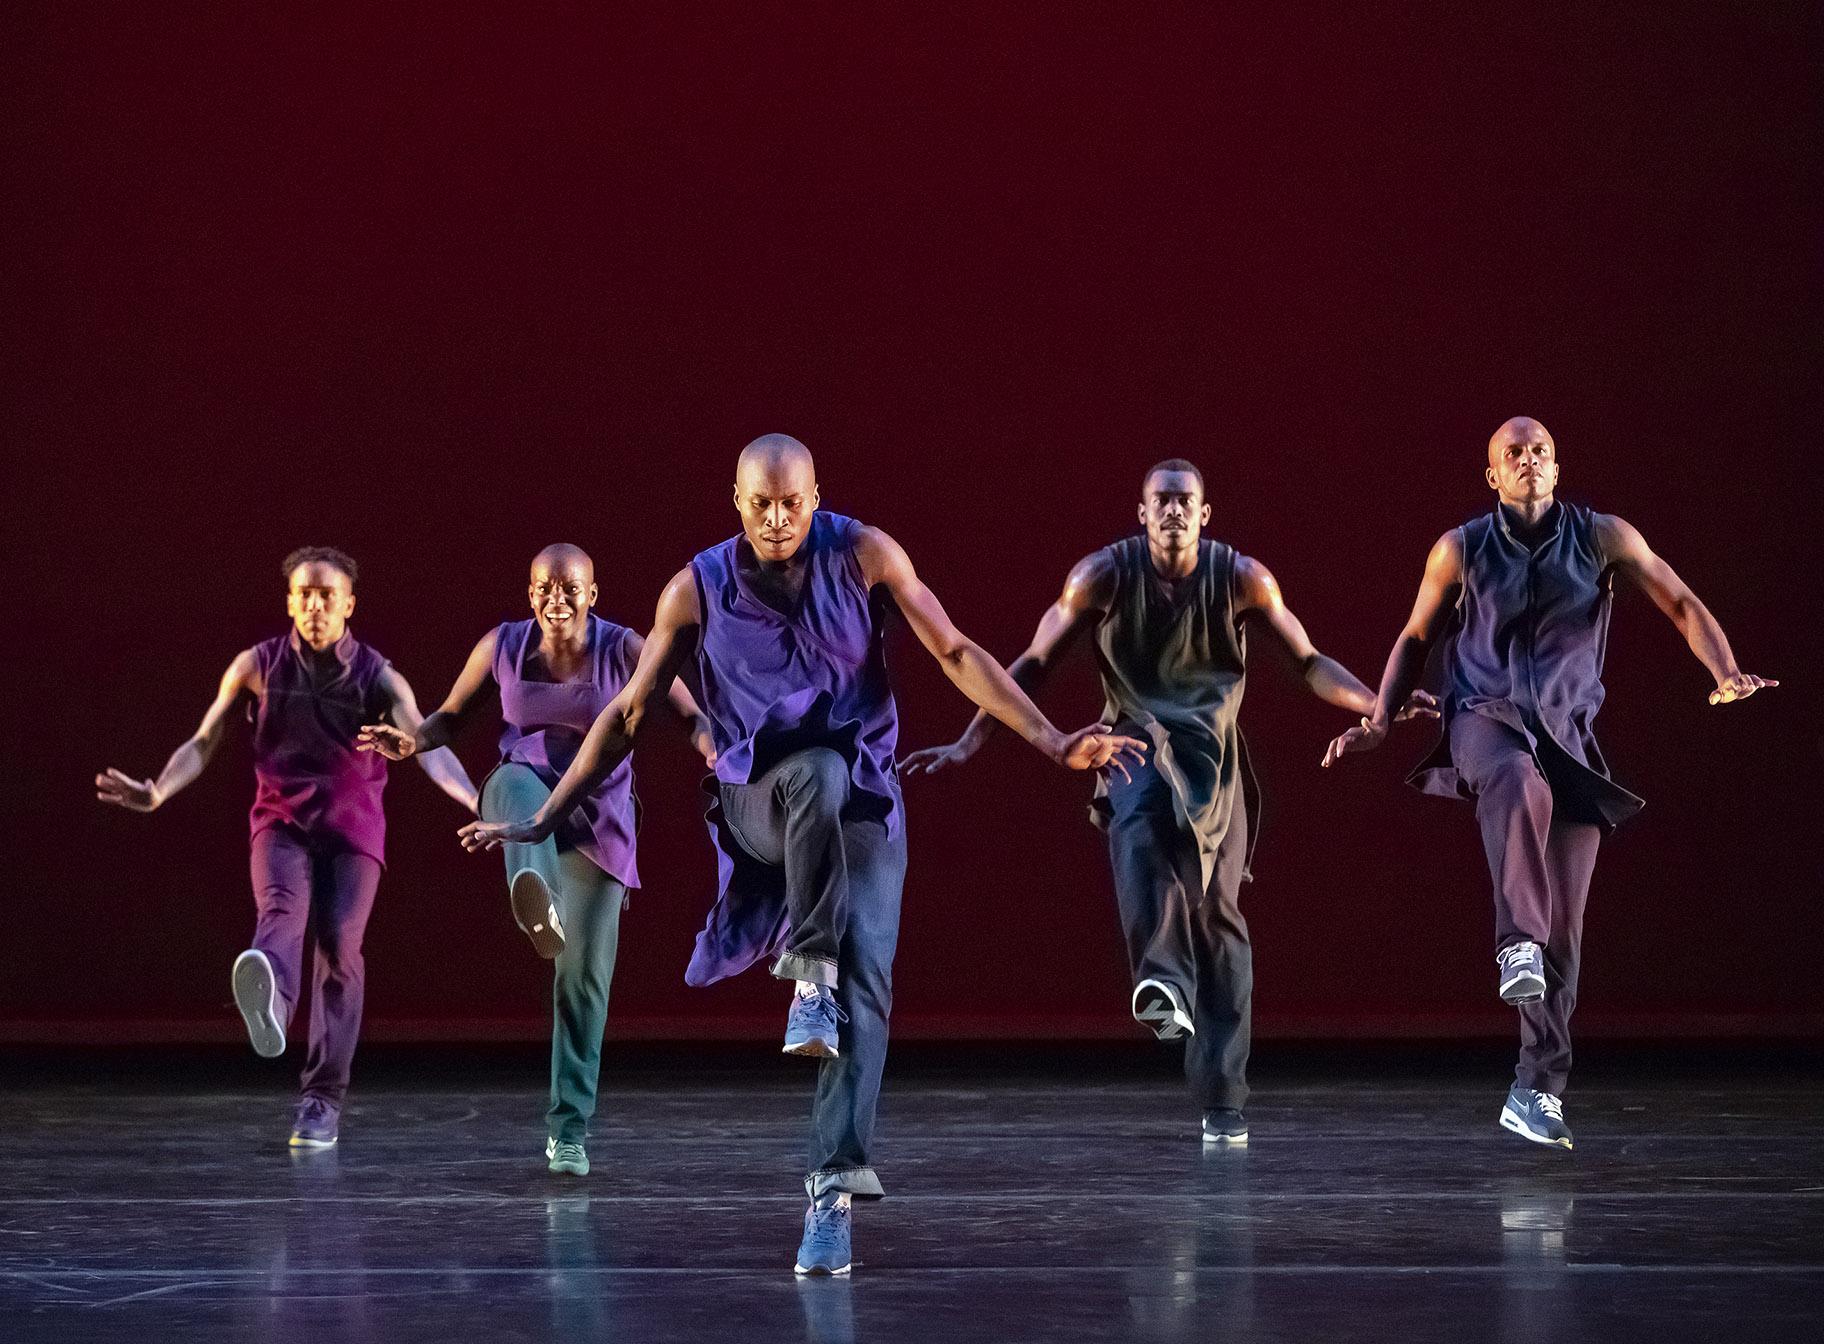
(1167, 609)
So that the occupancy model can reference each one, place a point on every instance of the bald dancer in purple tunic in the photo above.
(779, 632)
(1525, 590)
(319, 831)
(550, 677)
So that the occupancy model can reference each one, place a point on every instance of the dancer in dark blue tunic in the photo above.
(779, 633)
(1526, 590)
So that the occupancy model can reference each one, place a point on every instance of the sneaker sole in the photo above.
(1226, 1140)
(1513, 1124)
(1527, 988)
(299, 1141)
(1156, 1010)
(817, 1272)
(256, 995)
(811, 1050)
(533, 912)
(569, 1168)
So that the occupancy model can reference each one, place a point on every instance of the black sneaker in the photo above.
(1158, 1005)
(535, 911)
(1225, 1126)
(1536, 1116)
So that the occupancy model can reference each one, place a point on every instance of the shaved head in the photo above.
(561, 555)
(776, 494)
(1521, 429)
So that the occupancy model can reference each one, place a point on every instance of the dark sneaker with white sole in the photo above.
(1225, 1126)
(316, 1124)
(535, 911)
(565, 1158)
(1537, 1117)
(1522, 969)
(256, 994)
(1158, 1006)
(825, 1247)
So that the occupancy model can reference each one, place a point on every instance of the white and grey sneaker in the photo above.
(1157, 1005)
(1226, 1127)
(1535, 1116)
(256, 994)
(535, 911)
(1522, 969)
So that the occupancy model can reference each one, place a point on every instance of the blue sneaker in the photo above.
(565, 1158)
(315, 1126)
(825, 1248)
(1536, 1116)
(1522, 968)
(256, 994)
(810, 1027)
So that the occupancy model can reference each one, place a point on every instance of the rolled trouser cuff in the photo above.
(797, 966)
(857, 1182)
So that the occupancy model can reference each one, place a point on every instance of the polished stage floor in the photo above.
(1067, 1199)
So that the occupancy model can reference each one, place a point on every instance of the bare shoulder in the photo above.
(678, 604)
(1092, 582)
(1445, 560)
(1618, 538)
(243, 673)
(1254, 582)
(881, 558)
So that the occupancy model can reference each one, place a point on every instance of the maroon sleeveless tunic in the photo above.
(309, 777)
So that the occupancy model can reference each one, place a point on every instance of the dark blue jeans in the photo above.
(1193, 939)
(844, 878)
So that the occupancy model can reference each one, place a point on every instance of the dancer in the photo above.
(780, 631)
(1529, 585)
(551, 676)
(1167, 609)
(318, 826)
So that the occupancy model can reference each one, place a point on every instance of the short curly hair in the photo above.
(1172, 464)
(324, 555)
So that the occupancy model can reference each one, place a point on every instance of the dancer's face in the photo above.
(776, 500)
(1172, 510)
(320, 601)
(561, 592)
(1522, 462)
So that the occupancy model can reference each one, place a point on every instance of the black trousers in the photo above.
(1540, 860)
(1183, 934)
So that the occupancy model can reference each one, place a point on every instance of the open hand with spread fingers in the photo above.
(122, 790)
(393, 743)
(1365, 736)
(480, 835)
(1097, 746)
(1419, 705)
(1739, 687)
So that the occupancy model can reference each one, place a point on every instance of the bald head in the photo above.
(1523, 463)
(562, 589)
(776, 493)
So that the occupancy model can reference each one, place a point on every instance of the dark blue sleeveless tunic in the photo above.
(1532, 629)
(772, 684)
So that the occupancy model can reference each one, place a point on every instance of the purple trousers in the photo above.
(299, 885)
(1540, 859)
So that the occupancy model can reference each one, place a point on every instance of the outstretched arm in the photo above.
(187, 762)
(396, 741)
(1406, 664)
(1634, 559)
(1087, 593)
(975, 674)
(672, 639)
(440, 762)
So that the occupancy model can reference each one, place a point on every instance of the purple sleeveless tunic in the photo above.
(308, 774)
(772, 684)
(546, 722)
(1527, 651)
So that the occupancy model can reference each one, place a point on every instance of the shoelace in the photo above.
(567, 1151)
(314, 1114)
(826, 1007)
(826, 1224)
(1550, 1105)
(1520, 954)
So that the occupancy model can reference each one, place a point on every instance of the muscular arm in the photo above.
(187, 762)
(1257, 591)
(671, 640)
(974, 673)
(684, 705)
(440, 762)
(1634, 560)
(397, 741)
(1406, 664)
(1085, 599)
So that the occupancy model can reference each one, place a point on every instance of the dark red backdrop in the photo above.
(440, 288)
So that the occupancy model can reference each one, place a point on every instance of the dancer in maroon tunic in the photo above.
(779, 631)
(1529, 585)
(318, 829)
